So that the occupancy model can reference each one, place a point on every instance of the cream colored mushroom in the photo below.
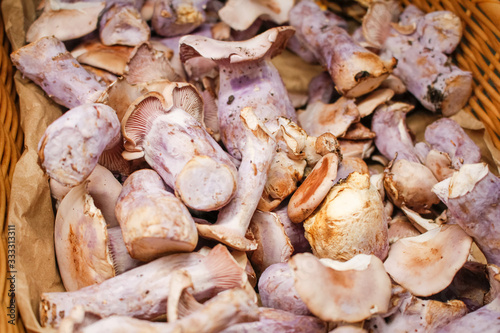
(426, 264)
(65, 21)
(350, 221)
(241, 14)
(342, 291)
(122, 24)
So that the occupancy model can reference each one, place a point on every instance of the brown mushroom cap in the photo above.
(426, 264)
(314, 189)
(335, 291)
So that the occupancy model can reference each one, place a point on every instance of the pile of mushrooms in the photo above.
(195, 193)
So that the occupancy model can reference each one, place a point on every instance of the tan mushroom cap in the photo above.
(112, 58)
(351, 220)
(336, 291)
(65, 21)
(367, 104)
(314, 189)
(241, 14)
(426, 264)
(81, 238)
(123, 25)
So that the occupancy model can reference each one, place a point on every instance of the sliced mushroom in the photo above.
(87, 252)
(65, 21)
(122, 24)
(112, 58)
(351, 220)
(367, 104)
(426, 264)
(187, 159)
(153, 221)
(71, 146)
(143, 291)
(334, 291)
(47, 63)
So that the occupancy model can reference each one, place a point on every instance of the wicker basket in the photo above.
(477, 53)
(11, 140)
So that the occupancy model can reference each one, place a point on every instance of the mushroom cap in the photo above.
(351, 220)
(65, 21)
(71, 146)
(267, 44)
(241, 14)
(314, 189)
(81, 241)
(112, 58)
(276, 290)
(123, 25)
(403, 188)
(273, 244)
(426, 264)
(336, 291)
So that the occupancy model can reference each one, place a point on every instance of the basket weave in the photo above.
(478, 52)
(11, 140)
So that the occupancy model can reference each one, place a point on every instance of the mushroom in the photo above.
(276, 290)
(47, 63)
(273, 244)
(177, 17)
(274, 320)
(72, 145)
(393, 139)
(294, 231)
(472, 195)
(437, 84)
(112, 58)
(87, 252)
(354, 70)
(65, 21)
(247, 78)
(440, 164)
(369, 103)
(153, 220)
(350, 221)
(419, 315)
(122, 24)
(446, 135)
(228, 308)
(485, 320)
(314, 189)
(188, 159)
(403, 188)
(334, 291)
(426, 264)
(241, 14)
(400, 227)
(356, 148)
(146, 64)
(143, 291)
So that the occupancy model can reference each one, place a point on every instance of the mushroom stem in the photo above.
(47, 63)
(234, 219)
(354, 70)
(143, 292)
